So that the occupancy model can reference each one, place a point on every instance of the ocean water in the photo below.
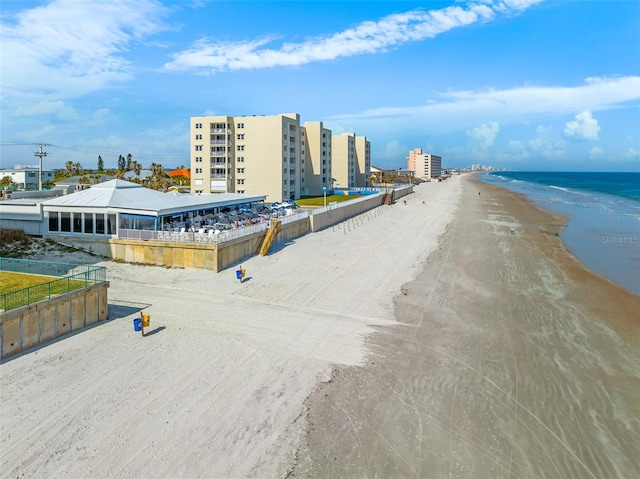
(603, 209)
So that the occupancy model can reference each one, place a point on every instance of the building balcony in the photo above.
(218, 130)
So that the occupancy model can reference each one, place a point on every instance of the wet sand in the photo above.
(509, 360)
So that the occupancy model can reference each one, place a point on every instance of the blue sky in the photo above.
(517, 84)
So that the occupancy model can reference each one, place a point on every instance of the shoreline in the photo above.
(577, 271)
(509, 358)
(599, 230)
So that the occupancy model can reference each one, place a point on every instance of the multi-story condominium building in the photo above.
(351, 160)
(27, 177)
(316, 158)
(425, 165)
(247, 154)
(343, 160)
(363, 160)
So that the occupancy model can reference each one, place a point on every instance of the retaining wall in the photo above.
(25, 327)
(214, 257)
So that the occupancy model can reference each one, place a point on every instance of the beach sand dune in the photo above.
(509, 360)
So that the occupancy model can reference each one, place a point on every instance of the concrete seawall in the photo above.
(28, 326)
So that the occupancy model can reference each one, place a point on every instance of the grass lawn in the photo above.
(41, 287)
(307, 201)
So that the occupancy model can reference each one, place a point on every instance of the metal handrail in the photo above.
(72, 278)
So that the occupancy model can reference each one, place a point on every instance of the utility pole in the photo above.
(40, 154)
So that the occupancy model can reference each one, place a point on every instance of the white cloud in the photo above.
(56, 109)
(461, 110)
(547, 144)
(485, 134)
(596, 152)
(394, 153)
(515, 146)
(632, 154)
(71, 47)
(367, 37)
(584, 126)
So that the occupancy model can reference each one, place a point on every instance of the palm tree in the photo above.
(129, 162)
(136, 168)
(155, 169)
(77, 167)
(100, 163)
(69, 167)
(121, 163)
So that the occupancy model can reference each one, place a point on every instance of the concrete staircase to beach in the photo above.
(272, 232)
(388, 199)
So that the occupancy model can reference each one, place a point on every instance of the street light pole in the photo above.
(324, 190)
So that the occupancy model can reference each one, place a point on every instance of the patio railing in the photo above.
(208, 237)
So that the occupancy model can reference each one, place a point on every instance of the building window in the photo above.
(240, 181)
(241, 191)
(198, 125)
(88, 223)
(77, 222)
(53, 221)
(240, 147)
(240, 170)
(198, 159)
(240, 159)
(65, 222)
(198, 137)
(198, 147)
(240, 125)
(99, 224)
(240, 136)
(198, 170)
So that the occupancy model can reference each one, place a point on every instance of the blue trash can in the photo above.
(238, 274)
(137, 324)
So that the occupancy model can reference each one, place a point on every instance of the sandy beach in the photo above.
(419, 340)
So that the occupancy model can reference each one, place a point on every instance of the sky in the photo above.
(518, 84)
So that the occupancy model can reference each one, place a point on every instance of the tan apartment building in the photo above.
(351, 160)
(247, 154)
(316, 158)
(425, 165)
(363, 160)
